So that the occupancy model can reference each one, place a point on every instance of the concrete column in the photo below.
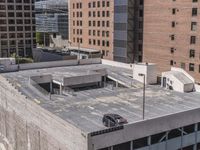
(131, 145)
(167, 133)
(181, 137)
(117, 84)
(149, 142)
(196, 130)
(60, 89)
(51, 87)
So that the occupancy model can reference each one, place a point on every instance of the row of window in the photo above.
(77, 14)
(156, 138)
(17, 14)
(16, 7)
(98, 4)
(18, 28)
(194, 11)
(77, 5)
(98, 33)
(14, 35)
(17, 1)
(192, 66)
(78, 23)
(99, 42)
(13, 43)
(192, 52)
(99, 23)
(99, 13)
(18, 21)
(192, 38)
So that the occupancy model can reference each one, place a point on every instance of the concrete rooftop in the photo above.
(85, 108)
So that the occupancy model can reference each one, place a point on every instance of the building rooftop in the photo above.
(85, 107)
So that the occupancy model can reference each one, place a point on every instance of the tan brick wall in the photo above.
(158, 20)
(85, 27)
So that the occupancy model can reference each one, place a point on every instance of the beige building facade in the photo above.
(91, 25)
(112, 26)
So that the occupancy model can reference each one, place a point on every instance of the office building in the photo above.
(171, 35)
(17, 27)
(109, 26)
(52, 20)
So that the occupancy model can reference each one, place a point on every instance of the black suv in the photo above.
(113, 120)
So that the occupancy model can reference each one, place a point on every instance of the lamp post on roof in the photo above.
(144, 85)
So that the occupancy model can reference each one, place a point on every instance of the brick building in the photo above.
(17, 27)
(109, 26)
(171, 34)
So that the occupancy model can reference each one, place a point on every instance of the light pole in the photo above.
(144, 84)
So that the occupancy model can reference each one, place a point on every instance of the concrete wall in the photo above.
(149, 71)
(145, 128)
(116, 64)
(197, 87)
(53, 64)
(42, 56)
(84, 79)
(24, 125)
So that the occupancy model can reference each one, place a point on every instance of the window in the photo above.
(103, 3)
(107, 14)
(191, 67)
(199, 68)
(89, 5)
(107, 44)
(174, 133)
(98, 4)
(141, 13)
(108, 24)
(194, 11)
(173, 24)
(174, 11)
(193, 26)
(192, 39)
(139, 143)
(183, 65)
(173, 37)
(172, 50)
(94, 4)
(89, 14)
(192, 53)
(108, 4)
(171, 62)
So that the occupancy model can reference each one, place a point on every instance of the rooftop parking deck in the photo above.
(86, 107)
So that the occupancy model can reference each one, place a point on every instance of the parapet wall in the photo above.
(51, 64)
(24, 125)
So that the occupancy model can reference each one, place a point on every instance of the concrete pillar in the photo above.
(60, 89)
(181, 137)
(131, 145)
(196, 131)
(167, 133)
(117, 84)
(51, 87)
(149, 142)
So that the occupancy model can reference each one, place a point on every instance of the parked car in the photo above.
(113, 120)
